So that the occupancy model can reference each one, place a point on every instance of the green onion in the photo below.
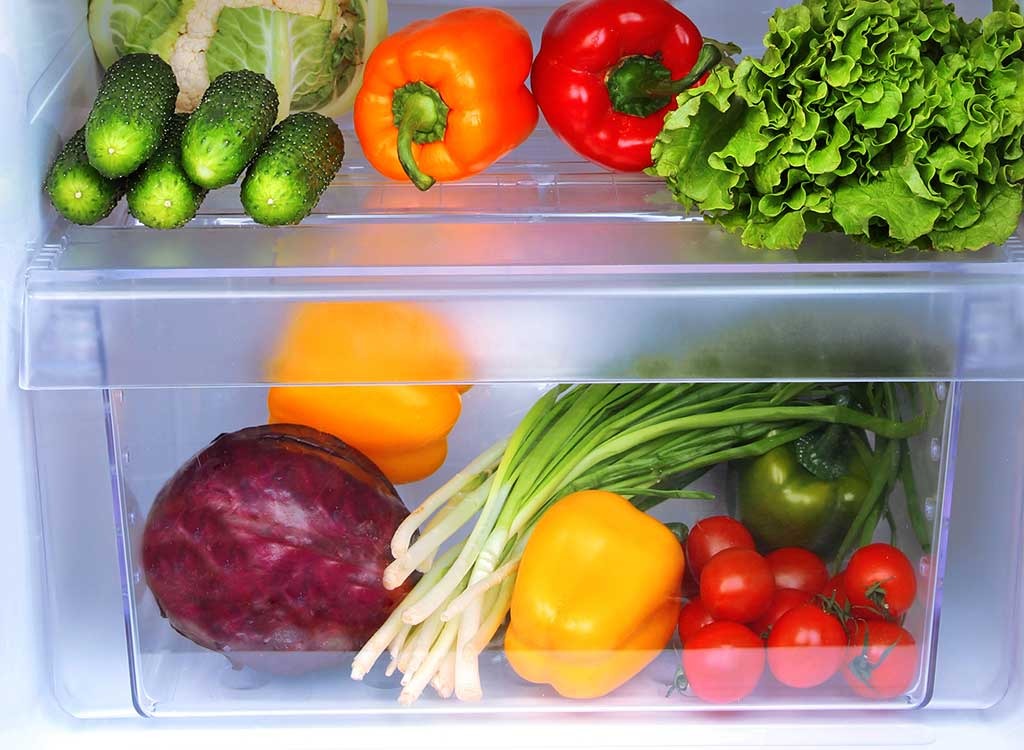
(915, 509)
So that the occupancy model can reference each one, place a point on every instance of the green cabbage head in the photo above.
(312, 50)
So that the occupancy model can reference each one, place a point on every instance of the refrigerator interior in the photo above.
(135, 348)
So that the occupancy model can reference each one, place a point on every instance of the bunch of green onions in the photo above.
(642, 441)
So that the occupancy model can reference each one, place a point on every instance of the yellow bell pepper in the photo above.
(596, 597)
(401, 428)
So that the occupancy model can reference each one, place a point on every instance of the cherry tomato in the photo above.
(712, 535)
(806, 647)
(723, 662)
(692, 618)
(783, 601)
(881, 659)
(737, 585)
(796, 568)
(835, 589)
(880, 582)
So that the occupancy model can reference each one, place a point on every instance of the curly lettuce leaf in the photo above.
(700, 128)
(894, 121)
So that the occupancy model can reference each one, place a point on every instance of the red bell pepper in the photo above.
(609, 71)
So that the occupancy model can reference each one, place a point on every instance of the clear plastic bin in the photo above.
(173, 676)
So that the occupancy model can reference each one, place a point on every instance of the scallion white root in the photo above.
(485, 461)
(395, 649)
(389, 631)
(495, 617)
(444, 680)
(468, 557)
(432, 523)
(467, 665)
(426, 634)
(399, 571)
(422, 677)
(479, 588)
(405, 655)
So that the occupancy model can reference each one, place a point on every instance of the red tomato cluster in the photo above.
(784, 611)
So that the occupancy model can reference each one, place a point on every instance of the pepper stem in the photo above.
(825, 453)
(421, 116)
(640, 85)
(680, 531)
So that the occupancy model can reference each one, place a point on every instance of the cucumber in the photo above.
(294, 167)
(78, 192)
(128, 118)
(161, 195)
(229, 125)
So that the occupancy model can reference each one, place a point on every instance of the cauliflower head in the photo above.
(312, 50)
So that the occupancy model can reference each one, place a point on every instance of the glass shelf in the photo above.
(547, 267)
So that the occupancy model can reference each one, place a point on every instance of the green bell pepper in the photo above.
(803, 494)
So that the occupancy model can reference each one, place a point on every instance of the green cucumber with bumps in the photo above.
(228, 127)
(296, 164)
(161, 195)
(131, 111)
(76, 189)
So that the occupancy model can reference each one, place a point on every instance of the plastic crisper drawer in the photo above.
(153, 431)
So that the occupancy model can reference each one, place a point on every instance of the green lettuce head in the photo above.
(312, 50)
(893, 121)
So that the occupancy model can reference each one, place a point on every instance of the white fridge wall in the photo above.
(21, 640)
(45, 88)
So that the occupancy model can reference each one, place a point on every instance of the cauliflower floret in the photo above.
(301, 7)
(188, 58)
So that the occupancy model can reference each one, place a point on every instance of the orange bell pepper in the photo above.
(401, 428)
(446, 98)
(596, 597)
